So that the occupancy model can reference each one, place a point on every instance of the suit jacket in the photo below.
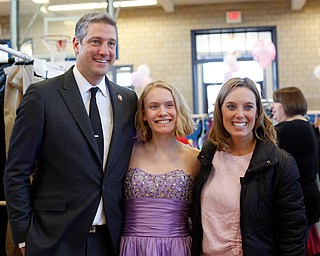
(53, 135)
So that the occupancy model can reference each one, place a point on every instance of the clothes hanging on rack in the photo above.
(19, 77)
(16, 79)
(3, 210)
(200, 135)
(41, 67)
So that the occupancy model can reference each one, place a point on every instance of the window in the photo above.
(210, 49)
(121, 75)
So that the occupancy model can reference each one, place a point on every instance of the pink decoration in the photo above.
(231, 60)
(264, 52)
(136, 79)
(140, 80)
(143, 69)
(146, 80)
(227, 75)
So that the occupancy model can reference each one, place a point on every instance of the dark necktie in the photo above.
(95, 120)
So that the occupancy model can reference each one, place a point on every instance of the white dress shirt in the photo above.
(106, 115)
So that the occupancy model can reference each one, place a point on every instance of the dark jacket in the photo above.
(272, 214)
(298, 138)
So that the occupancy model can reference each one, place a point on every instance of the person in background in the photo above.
(73, 206)
(159, 183)
(248, 199)
(297, 137)
(316, 127)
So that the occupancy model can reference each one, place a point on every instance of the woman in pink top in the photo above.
(248, 199)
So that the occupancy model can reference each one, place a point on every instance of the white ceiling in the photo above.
(29, 7)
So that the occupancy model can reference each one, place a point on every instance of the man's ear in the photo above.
(75, 44)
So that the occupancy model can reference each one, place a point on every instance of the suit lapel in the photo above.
(116, 102)
(72, 98)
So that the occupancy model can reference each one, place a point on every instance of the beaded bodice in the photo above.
(174, 185)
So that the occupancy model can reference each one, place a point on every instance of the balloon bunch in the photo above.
(264, 52)
(141, 77)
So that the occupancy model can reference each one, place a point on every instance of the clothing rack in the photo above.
(22, 56)
(16, 53)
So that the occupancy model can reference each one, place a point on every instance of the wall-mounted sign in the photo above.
(233, 17)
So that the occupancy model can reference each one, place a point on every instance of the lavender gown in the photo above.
(156, 214)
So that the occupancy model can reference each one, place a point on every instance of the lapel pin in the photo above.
(119, 97)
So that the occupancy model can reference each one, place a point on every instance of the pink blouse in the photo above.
(220, 205)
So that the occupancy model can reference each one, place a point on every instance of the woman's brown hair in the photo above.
(263, 129)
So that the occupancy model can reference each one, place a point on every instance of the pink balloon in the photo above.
(235, 67)
(227, 75)
(264, 52)
(140, 80)
(146, 80)
(137, 79)
(231, 60)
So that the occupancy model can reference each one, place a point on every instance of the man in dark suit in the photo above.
(63, 197)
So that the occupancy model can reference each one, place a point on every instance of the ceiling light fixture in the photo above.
(101, 5)
(40, 1)
(43, 9)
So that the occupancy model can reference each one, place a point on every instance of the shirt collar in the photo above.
(84, 85)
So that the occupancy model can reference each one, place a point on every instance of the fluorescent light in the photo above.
(101, 5)
(35, 1)
(43, 10)
(134, 3)
(75, 7)
(40, 1)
